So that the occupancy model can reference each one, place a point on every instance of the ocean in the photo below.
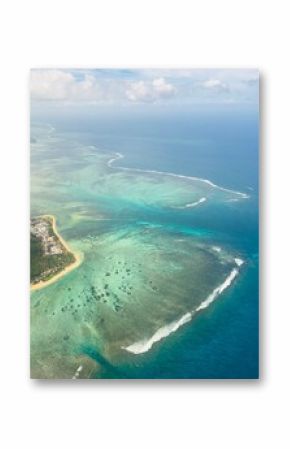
(218, 144)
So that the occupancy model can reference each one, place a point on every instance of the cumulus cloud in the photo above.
(150, 91)
(117, 86)
(139, 91)
(214, 84)
(59, 85)
(162, 88)
(68, 86)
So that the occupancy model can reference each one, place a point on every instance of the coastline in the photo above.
(78, 259)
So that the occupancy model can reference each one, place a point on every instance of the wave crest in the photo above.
(144, 345)
(192, 178)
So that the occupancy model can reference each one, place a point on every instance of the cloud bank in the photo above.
(60, 85)
(109, 86)
(215, 84)
(142, 91)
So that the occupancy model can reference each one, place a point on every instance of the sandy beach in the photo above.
(69, 268)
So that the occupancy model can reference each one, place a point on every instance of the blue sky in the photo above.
(144, 86)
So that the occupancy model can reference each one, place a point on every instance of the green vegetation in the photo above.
(43, 263)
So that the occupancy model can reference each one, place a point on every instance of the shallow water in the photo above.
(153, 263)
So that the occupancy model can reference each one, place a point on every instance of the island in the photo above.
(50, 256)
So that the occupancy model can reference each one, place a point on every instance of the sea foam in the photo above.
(196, 203)
(77, 373)
(163, 332)
(217, 291)
(144, 345)
(238, 261)
(192, 178)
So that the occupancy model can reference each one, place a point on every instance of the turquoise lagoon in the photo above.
(168, 283)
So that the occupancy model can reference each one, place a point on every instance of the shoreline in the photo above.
(78, 259)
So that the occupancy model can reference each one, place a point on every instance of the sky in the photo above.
(143, 86)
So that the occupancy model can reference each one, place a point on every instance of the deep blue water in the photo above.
(220, 145)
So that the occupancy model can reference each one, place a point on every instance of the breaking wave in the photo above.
(217, 291)
(196, 203)
(145, 345)
(119, 156)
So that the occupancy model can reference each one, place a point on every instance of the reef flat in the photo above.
(144, 273)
